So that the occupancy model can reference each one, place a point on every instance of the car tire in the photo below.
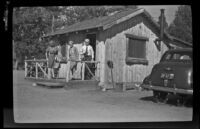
(159, 96)
(155, 93)
(163, 95)
(156, 96)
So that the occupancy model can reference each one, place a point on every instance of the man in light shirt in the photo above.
(87, 53)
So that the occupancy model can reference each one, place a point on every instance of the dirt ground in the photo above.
(88, 104)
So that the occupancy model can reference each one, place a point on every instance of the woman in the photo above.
(51, 52)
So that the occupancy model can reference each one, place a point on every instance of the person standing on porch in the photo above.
(88, 52)
(73, 57)
(51, 52)
(88, 55)
(58, 59)
(82, 51)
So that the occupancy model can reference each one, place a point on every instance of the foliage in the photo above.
(181, 27)
(28, 25)
(31, 23)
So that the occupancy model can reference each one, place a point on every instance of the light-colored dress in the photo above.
(52, 52)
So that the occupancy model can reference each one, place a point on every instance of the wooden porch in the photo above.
(37, 70)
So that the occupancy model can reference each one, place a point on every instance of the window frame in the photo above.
(133, 60)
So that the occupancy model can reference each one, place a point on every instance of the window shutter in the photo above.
(136, 50)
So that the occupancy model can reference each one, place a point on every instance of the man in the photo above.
(82, 51)
(73, 57)
(88, 55)
(88, 51)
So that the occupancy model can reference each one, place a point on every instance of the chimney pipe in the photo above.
(162, 23)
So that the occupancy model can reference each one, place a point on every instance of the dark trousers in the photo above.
(88, 75)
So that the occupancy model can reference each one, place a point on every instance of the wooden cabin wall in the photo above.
(100, 56)
(115, 44)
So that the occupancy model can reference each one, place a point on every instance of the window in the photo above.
(136, 50)
(177, 56)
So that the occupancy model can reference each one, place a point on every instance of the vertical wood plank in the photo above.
(83, 71)
(25, 65)
(68, 71)
(36, 69)
(102, 69)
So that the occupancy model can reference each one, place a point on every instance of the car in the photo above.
(172, 75)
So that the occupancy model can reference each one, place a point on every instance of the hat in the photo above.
(71, 42)
(87, 40)
(51, 43)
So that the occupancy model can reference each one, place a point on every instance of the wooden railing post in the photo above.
(68, 71)
(83, 71)
(36, 70)
(43, 70)
(25, 65)
(95, 66)
(98, 70)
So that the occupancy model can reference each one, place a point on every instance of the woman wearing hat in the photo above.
(51, 52)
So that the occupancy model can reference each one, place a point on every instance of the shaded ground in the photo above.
(87, 104)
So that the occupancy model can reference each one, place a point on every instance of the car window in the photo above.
(168, 56)
(185, 57)
(177, 56)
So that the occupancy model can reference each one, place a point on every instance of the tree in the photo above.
(181, 27)
(31, 23)
(28, 25)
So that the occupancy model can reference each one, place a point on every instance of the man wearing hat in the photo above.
(88, 55)
(87, 51)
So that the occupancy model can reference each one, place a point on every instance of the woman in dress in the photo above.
(51, 52)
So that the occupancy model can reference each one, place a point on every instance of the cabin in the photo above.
(130, 39)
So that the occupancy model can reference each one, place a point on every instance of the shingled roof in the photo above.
(95, 22)
(108, 21)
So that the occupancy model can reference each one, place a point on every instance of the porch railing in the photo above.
(84, 66)
(38, 69)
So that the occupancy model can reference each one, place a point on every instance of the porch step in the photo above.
(49, 84)
(61, 80)
(81, 84)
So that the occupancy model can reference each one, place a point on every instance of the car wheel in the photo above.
(155, 93)
(183, 100)
(156, 96)
(163, 96)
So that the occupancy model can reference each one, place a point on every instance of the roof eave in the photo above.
(109, 25)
